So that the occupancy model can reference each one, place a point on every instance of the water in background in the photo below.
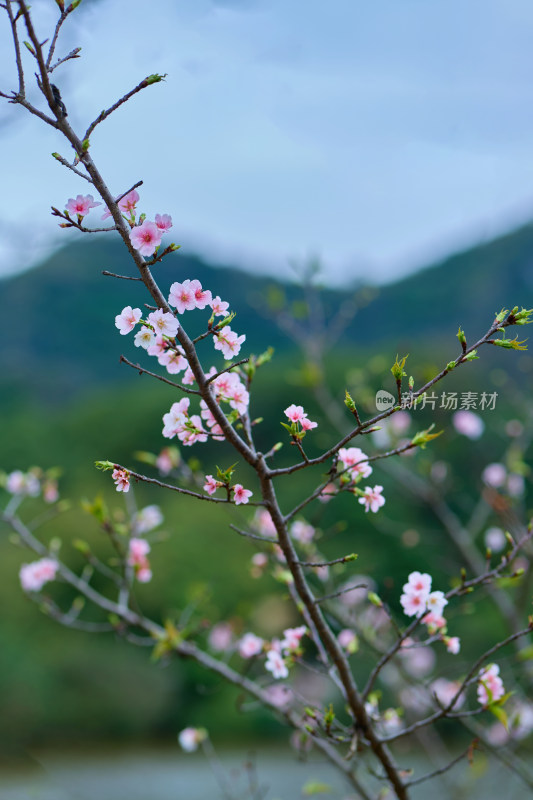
(171, 775)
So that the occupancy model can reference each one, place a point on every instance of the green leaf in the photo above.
(316, 787)
(471, 356)
(397, 368)
(155, 78)
(423, 437)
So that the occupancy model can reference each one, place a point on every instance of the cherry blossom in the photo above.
(278, 695)
(453, 644)
(356, 461)
(228, 342)
(250, 645)
(302, 532)
(138, 550)
(147, 519)
(490, 685)
(163, 222)
(240, 494)
(494, 475)
(264, 524)
(188, 295)
(495, 539)
(144, 338)
(126, 204)
(468, 423)
(193, 432)
(445, 691)
(275, 664)
(434, 622)
(81, 205)
(158, 347)
(190, 738)
(220, 307)
(291, 638)
(372, 499)
(418, 582)
(220, 637)
(145, 238)
(414, 604)
(127, 319)
(175, 418)
(348, 640)
(18, 482)
(163, 323)
(297, 414)
(173, 360)
(122, 480)
(211, 485)
(33, 576)
(436, 602)
(167, 459)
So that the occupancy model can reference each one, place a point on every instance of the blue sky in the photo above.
(376, 135)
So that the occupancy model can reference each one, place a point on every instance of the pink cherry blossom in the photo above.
(81, 205)
(356, 461)
(182, 297)
(122, 480)
(372, 499)
(490, 685)
(241, 495)
(295, 413)
(167, 459)
(163, 222)
(173, 360)
(145, 238)
(211, 485)
(264, 524)
(18, 482)
(307, 425)
(127, 319)
(33, 576)
(348, 640)
(138, 550)
(126, 204)
(50, 491)
(434, 622)
(414, 604)
(418, 582)
(468, 423)
(453, 644)
(228, 342)
(144, 338)
(302, 532)
(445, 691)
(220, 307)
(163, 323)
(220, 637)
(292, 637)
(276, 664)
(188, 377)
(250, 645)
(175, 418)
(147, 519)
(158, 347)
(494, 475)
(194, 432)
(278, 695)
(327, 493)
(202, 297)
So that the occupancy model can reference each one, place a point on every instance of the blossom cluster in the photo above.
(354, 467)
(31, 483)
(241, 496)
(418, 600)
(138, 550)
(279, 654)
(34, 576)
(490, 685)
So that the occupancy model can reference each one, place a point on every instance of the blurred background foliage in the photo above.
(65, 401)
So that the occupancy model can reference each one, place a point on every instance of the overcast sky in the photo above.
(377, 135)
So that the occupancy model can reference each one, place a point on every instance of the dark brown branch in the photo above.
(105, 114)
(124, 278)
(143, 371)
